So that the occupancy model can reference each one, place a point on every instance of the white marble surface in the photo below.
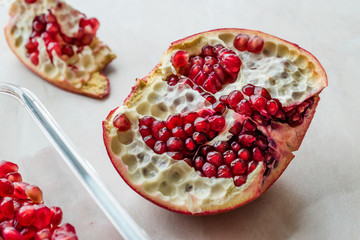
(318, 195)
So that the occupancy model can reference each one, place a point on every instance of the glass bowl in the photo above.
(31, 138)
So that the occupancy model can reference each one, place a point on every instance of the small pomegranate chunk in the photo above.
(179, 59)
(122, 122)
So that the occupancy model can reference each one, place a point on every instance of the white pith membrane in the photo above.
(287, 74)
(83, 75)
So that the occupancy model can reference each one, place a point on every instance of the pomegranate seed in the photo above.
(172, 80)
(11, 233)
(180, 58)
(234, 98)
(211, 134)
(199, 162)
(215, 158)
(14, 177)
(229, 156)
(251, 167)
(249, 125)
(175, 155)
(175, 144)
(43, 234)
(219, 71)
(54, 46)
(174, 121)
(179, 132)
(150, 141)
(217, 123)
(302, 107)
(207, 68)
(197, 60)
(262, 92)
(7, 207)
(122, 122)
(217, 48)
(272, 107)
(202, 125)
(232, 61)
(190, 117)
(194, 71)
(259, 102)
(56, 216)
(28, 233)
(5, 224)
(31, 46)
(224, 172)
(235, 146)
(159, 147)
(241, 41)
(204, 150)
(246, 140)
(190, 144)
(223, 99)
(52, 28)
(19, 190)
(238, 167)
(67, 50)
(147, 121)
(38, 26)
(6, 188)
(34, 193)
(236, 129)
(189, 129)
(7, 167)
(207, 50)
(244, 107)
(244, 154)
(200, 78)
(259, 119)
(221, 146)
(86, 39)
(210, 60)
(261, 142)
(255, 44)
(280, 115)
(42, 217)
(157, 125)
(257, 155)
(144, 131)
(240, 180)
(204, 113)
(49, 18)
(209, 85)
(30, 1)
(248, 89)
(219, 107)
(210, 98)
(199, 138)
(209, 170)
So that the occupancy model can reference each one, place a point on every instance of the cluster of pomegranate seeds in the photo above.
(23, 215)
(46, 26)
(243, 42)
(214, 68)
(181, 134)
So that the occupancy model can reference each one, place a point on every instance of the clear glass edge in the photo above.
(87, 175)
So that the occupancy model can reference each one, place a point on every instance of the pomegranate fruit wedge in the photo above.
(23, 214)
(215, 123)
(59, 44)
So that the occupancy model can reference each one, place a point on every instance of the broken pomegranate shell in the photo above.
(59, 44)
(215, 123)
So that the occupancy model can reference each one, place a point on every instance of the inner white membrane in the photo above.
(276, 69)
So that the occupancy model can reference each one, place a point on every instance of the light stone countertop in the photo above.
(317, 197)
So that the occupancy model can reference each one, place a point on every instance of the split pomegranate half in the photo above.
(60, 44)
(215, 123)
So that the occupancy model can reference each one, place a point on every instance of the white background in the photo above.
(317, 197)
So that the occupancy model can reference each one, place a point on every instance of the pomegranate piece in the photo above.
(227, 121)
(60, 41)
(122, 122)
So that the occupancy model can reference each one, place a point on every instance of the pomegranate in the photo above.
(27, 217)
(215, 123)
(59, 44)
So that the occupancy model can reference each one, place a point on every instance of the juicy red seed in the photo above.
(94, 24)
(179, 132)
(34, 193)
(200, 78)
(217, 48)
(159, 147)
(234, 98)
(217, 122)
(262, 92)
(259, 102)
(280, 115)
(122, 122)
(30, 1)
(255, 44)
(212, 134)
(224, 172)
(174, 121)
(28, 233)
(248, 89)
(229, 156)
(240, 180)
(232, 61)
(272, 107)
(199, 162)
(34, 58)
(184, 70)
(7, 167)
(302, 107)
(43, 234)
(19, 190)
(31, 46)
(38, 26)
(197, 60)
(190, 117)
(180, 58)
(7, 207)
(246, 140)
(209, 170)
(87, 39)
(210, 60)
(49, 18)
(236, 129)
(215, 158)
(241, 41)
(56, 216)
(223, 99)
(209, 85)
(172, 80)
(194, 71)
(238, 167)
(67, 50)
(261, 142)
(219, 107)
(42, 217)
(207, 50)
(188, 161)
(190, 144)
(11, 233)
(259, 119)
(202, 125)
(14, 177)
(157, 125)
(147, 121)
(199, 138)
(6, 188)
(144, 131)
(251, 167)
(208, 97)
(221, 146)
(249, 125)
(175, 144)
(54, 46)
(205, 113)
(244, 154)
(219, 72)
(235, 146)
(189, 129)
(257, 155)
(204, 150)
(150, 141)
(52, 28)
(176, 155)
(207, 68)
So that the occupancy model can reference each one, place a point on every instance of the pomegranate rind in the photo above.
(96, 86)
(286, 138)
